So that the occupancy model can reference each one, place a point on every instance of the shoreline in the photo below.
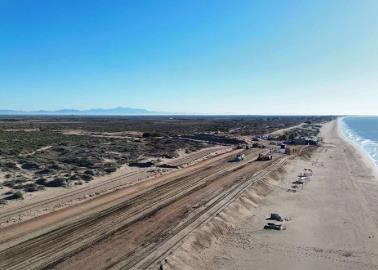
(365, 155)
(331, 223)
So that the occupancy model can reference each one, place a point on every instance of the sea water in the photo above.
(364, 132)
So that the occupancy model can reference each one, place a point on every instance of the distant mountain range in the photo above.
(98, 111)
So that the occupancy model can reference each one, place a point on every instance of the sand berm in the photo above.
(333, 221)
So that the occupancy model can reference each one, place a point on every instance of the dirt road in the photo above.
(53, 200)
(332, 223)
(120, 228)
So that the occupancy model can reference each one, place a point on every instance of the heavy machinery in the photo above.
(239, 157)
(264, 156)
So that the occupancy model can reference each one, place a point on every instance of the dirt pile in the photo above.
(189, 254)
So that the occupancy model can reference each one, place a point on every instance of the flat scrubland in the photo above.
(45, 152)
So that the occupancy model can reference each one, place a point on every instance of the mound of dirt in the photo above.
(189, 254)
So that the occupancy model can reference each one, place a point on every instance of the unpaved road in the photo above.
(52, 200)
(122, 226)
(333, 220)
(119, 229)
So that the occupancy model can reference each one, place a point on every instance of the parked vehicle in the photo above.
(272, 226)
(276, 217)
(240, 157)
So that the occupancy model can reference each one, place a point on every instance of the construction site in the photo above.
(134, 219)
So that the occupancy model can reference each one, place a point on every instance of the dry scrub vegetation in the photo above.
(40, 152)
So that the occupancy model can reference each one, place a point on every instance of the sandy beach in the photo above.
(211, 215)
(332, 223)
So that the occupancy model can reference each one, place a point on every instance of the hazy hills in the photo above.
(97, 111)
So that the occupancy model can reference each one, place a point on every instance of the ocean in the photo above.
(364, 132)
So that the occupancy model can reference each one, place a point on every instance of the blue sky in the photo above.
(208, 56)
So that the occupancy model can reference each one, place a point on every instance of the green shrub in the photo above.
(41, 181)
(87, 177)
(110, 169)
(9, 183)
(149, 134)
(57, 182)
(16, 196)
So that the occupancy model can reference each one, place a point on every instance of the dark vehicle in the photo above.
(276, 217)
(272, 226)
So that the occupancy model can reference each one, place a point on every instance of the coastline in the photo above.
(331, 224)
(365, 156)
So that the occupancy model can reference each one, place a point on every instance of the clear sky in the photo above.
(208, 56)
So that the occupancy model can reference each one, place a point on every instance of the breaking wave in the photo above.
(368, 145)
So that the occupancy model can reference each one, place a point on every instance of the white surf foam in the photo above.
(367, 145)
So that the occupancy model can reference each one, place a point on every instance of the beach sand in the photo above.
(333, 221)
